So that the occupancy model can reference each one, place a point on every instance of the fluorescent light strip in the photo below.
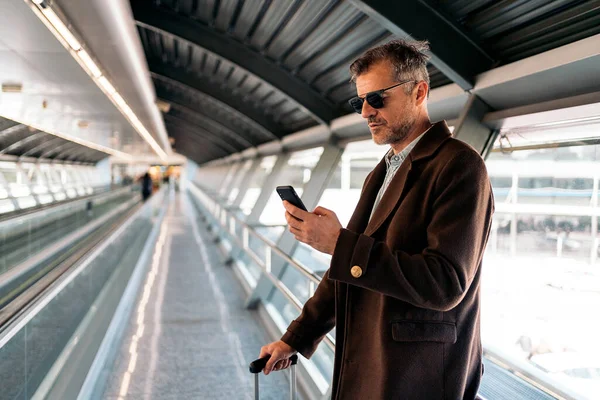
(60, 30)
(106, 86)
(89, 63)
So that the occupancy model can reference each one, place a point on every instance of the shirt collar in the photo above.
(397, 159)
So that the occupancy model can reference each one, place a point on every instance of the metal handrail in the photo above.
(19, 270)
(225, 218)
(58, 207)
(96, 190)
(15, 326)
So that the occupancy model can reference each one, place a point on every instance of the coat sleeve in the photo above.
(439, 276)
(316, 320)
(318, 315)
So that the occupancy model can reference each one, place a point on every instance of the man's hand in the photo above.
(319, 229)
(280, 353)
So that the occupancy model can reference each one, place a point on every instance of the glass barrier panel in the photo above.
(30, 354)
(323, 357)
(6, 206)
(26, 202)
(541, 271)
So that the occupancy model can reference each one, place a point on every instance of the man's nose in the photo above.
(367, 110)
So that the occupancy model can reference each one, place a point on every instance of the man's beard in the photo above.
(397, 134)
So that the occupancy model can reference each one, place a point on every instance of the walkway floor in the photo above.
(196, 337)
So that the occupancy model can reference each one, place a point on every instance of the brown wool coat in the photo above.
(408, 327)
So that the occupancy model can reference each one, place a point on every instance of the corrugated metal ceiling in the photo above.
(312, 43)
(22, 141)
(512, 30)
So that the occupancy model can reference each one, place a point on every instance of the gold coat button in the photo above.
(356, 271)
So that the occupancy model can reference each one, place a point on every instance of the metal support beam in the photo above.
(215, 91)
(226, 185)
(453, 52)
(12, 129)
(57, 149)
(313, 191)
(211, 124)
(22, 142)
(268, 188)
(42, 146)
(67, 150)
(201, 103)
(245, 185)
(191, 149)
(209, 39)
(239, 178)
(470, 128)
(200, 133)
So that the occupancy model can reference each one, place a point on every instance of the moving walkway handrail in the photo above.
(19, 219)
(15, 326)
(96, 190)
(31, 262)
(223, 215)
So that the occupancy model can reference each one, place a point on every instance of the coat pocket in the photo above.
(424, 331)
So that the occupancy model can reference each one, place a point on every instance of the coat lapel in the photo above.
(426, 147)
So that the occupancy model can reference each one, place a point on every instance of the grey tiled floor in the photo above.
(198, 339)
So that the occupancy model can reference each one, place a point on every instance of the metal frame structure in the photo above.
(456, 54)
(184, 77)
(199, 35)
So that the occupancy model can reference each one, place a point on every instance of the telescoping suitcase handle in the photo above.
(257, 366)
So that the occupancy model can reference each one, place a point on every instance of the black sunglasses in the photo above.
(375, 99)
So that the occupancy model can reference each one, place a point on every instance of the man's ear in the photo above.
(422, 92)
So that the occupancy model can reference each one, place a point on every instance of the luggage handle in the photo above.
(257, 366)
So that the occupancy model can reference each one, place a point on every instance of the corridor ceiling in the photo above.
(238, 73)
(23, 141)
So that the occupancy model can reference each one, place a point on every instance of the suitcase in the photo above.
(257, 366)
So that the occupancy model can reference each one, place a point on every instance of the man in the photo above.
(403, 287)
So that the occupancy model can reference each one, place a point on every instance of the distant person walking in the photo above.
(146, 186)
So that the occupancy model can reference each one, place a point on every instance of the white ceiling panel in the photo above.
(57, 95)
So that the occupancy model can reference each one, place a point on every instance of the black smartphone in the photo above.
(288, 193)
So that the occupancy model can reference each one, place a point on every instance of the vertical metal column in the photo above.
(238, 178)
(268, 188)
(594, 228)
(228, 179)
(471, 130)
(246, 181)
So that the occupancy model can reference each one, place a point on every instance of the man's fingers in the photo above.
(264, 352)
(295, 211)
(271, 364)
(280, 365)
(322, 211)
(292, 221)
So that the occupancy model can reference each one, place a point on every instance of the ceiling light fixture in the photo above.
(61, 28)
(12, 87)
(65, 36)
(89, 63)
(105, 84)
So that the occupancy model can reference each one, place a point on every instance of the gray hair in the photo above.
(408, 58)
